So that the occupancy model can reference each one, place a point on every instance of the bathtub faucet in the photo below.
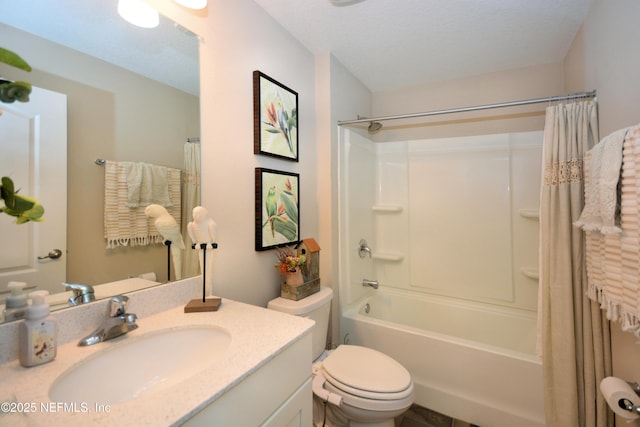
(371, 283)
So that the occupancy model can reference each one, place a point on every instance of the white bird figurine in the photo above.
(203, 230)
(169, 229)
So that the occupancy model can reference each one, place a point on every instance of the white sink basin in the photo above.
(145, 364)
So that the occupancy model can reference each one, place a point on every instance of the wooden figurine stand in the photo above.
(204, 304)
(199, 306)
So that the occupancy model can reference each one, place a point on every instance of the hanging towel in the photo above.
(613, 260)
(126, 226)
(147, 184)
(602, 174)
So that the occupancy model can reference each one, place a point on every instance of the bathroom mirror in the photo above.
(86, 51)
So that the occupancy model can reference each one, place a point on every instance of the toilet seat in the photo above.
(366, 378)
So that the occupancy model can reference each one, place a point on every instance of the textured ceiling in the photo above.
(398, 43)
(166, 53)
(386, 44)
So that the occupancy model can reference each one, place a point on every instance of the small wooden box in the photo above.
(296, 293)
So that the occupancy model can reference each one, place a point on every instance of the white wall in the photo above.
(246, 39)
(239, 37)
(348, 98)
(602, 57)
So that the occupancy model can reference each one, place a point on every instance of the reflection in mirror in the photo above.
(132, 95)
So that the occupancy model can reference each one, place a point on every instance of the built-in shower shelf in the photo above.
(387, 208)
(529, 214)
(530, 272)
(387, 256)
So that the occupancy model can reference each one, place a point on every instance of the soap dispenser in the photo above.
(38, 332)
(16, 302)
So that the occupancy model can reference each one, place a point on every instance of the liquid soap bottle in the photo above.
(37, 333)
(16, 302)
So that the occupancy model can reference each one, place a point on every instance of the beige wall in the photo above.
(115, 115)
(512, 85)
(604, 57)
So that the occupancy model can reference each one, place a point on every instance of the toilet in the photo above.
(357, 385)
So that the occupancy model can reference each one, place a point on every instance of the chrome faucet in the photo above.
(371, 283)
(81, 293)
(118, 322)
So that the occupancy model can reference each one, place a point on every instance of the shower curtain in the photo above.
(574, 334)
(191, 199)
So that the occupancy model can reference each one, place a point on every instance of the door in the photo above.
(33, 153)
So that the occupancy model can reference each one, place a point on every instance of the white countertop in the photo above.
(257, 334)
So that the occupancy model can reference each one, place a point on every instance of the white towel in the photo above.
(602, 173)
(147, 184)
(125, 226)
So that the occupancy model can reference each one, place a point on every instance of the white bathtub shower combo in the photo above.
(451, 238)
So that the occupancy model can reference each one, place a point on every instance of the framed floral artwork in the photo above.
(277, 208)
(275, 118)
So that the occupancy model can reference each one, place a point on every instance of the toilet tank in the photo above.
(316, 307)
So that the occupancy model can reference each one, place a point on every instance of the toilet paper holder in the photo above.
(627, 404)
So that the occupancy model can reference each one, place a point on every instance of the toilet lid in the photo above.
(366, 369)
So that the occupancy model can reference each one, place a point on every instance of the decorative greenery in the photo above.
(288, 260)
(11, 91)
(24, 208)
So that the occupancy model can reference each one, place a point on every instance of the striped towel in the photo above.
(613, 260)
(125, 226)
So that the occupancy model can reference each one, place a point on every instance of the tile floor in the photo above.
(417, 416)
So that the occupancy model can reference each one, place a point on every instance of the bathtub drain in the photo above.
(367, 308)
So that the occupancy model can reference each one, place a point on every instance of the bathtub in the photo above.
(469, 361)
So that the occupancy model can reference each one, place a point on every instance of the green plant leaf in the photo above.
(23, 203)
(15, 91)
(13, 59)
(287, 228)
(7, 191)
(24, 208)
(292, 122)
(34, 214)
(290, 207)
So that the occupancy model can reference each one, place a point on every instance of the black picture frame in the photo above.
(277, 207)
(275, 118)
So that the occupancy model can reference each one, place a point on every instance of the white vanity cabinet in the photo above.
(263, 377)
(277, 394)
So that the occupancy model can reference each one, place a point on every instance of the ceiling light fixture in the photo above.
(340, 3)
(139, 13)
(192, 4)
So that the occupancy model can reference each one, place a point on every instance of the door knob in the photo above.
(53, 254)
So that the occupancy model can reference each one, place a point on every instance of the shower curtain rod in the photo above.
(591, 94)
